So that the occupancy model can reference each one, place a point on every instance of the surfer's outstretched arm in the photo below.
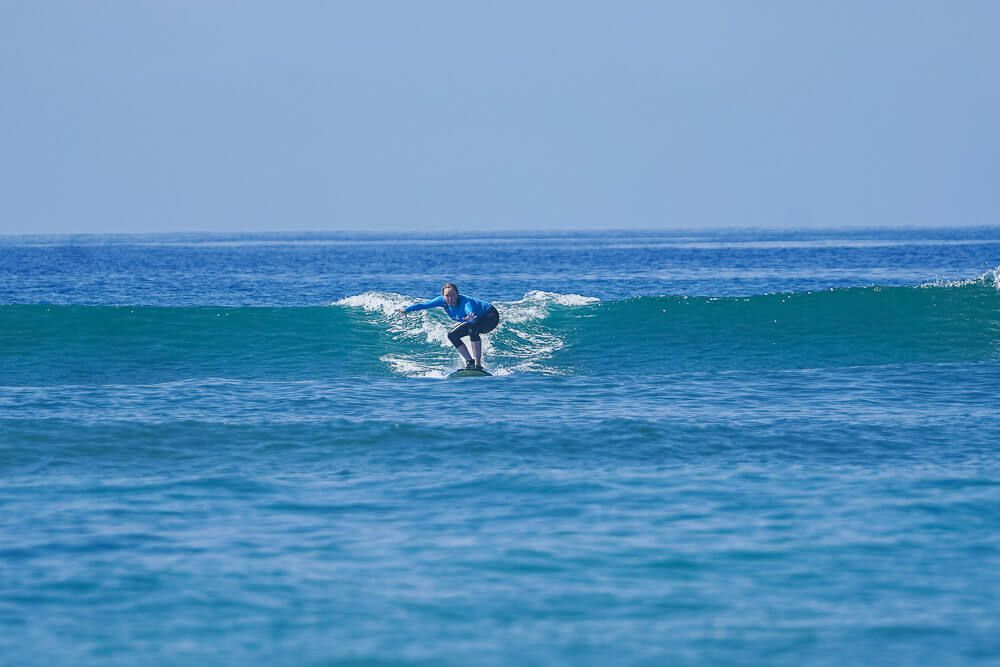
(433, 303)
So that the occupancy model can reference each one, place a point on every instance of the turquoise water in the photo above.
(697, 449)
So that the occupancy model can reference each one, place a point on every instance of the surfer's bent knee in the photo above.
(455, 335)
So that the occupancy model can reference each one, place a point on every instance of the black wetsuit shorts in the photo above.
(484, 324)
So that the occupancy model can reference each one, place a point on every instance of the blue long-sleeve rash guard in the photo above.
(466, 306)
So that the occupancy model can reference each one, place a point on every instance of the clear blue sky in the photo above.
(166, 115)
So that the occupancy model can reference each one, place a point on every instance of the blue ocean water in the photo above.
(699, 448)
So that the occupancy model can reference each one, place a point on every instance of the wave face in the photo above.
(546, 333)
(852, 327)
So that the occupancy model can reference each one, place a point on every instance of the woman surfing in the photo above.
(474, 316)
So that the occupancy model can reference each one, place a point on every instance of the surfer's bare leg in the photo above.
(464, 351)
(477, 351)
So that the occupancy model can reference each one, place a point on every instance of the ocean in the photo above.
(736, 447)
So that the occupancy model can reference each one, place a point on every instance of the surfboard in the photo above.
(469, 373)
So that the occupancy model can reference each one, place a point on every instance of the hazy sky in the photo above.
(207, 115)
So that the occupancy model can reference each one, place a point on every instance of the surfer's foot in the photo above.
(478, 367)
(471, 365)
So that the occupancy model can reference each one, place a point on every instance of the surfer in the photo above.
(475, 317)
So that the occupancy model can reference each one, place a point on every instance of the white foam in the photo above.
(529, 344)
(990, 278)
(386, 303)
(561, 299)
(993, 275)
(534, 305)
(413, 368)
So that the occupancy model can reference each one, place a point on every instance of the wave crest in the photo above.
(541, 332)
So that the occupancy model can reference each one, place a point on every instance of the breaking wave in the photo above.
(540, 333)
